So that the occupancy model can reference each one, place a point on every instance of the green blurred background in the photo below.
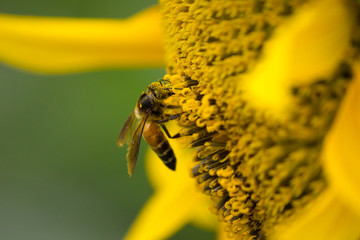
(61, 174)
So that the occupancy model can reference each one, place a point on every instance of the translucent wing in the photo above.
(133, 149)
(126, 131)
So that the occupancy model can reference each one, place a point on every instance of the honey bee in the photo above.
(144, 121)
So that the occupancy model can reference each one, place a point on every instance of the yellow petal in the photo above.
(159, 175)
(328, 217)
(222, 234)
(166, 212)
(176, 201)
(202, 216)
(62, 45)
(342, 147)
(309, 45)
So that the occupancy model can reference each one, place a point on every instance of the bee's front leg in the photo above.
(169, 106)
(168, 118)
(162, 81)
(167, 132)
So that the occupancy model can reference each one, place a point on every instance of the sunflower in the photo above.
(269, 93)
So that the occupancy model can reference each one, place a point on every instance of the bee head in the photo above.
(145, 103)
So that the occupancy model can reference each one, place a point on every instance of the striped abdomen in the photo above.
(159, 144)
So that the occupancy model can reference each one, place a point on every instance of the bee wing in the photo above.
(134, 146)
(127, 130)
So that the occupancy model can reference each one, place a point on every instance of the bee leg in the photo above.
(175, 116)
(169, 106)
(162, 81)
(170, 117)
(167, 132)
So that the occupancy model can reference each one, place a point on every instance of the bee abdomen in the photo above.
(165, 153)
(159, 144)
